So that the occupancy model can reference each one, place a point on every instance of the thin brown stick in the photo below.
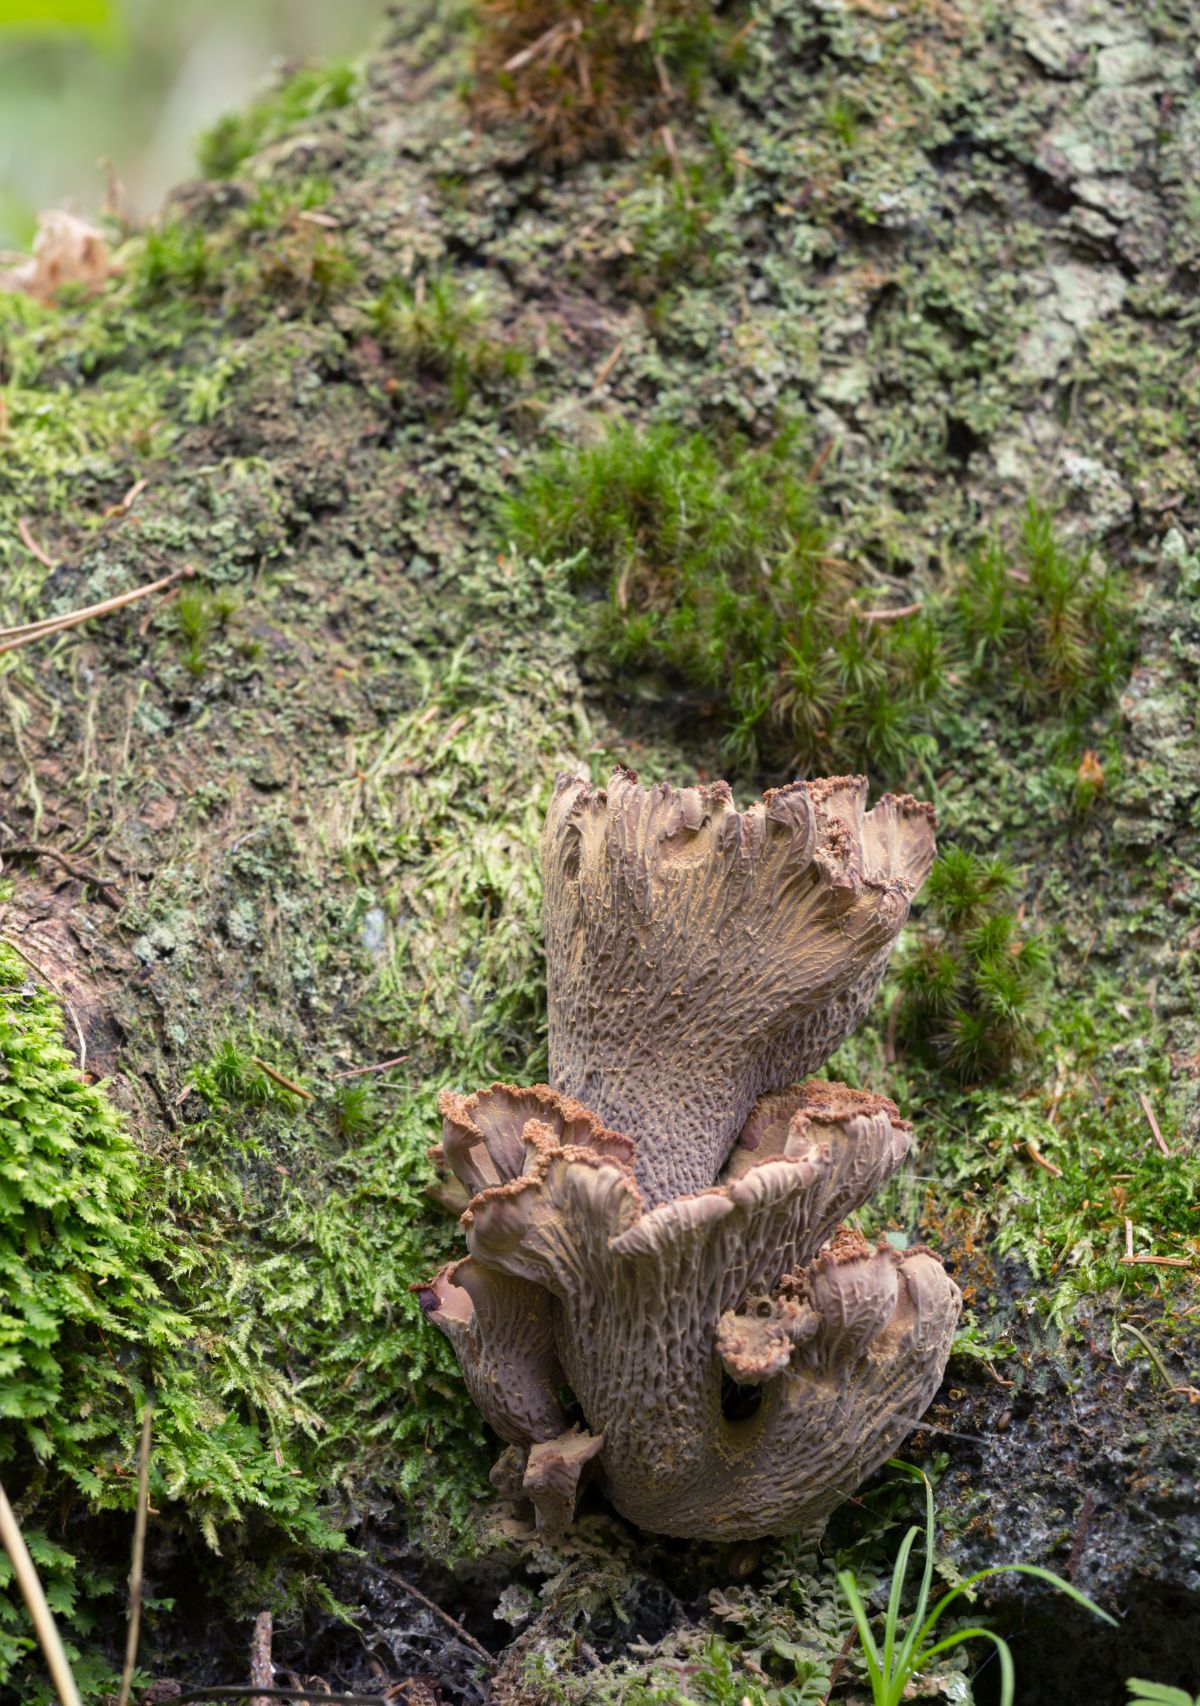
(262, 1671)
(125, 504)
(432, 1605)
(542, 44)
(27, 632)
(820, 460)
(672, 153)
(154, 610)
(36, 850)
(1153, 1123)
(31, 1591)
(31, 544)
(380, 1066)
(1128, 1239)
(30, 961)
(139, 1556)
(272, 1072)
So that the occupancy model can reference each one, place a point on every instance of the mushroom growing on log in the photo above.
(740, 1361)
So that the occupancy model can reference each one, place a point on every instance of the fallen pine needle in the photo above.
(610, 361)
(1035, 1154)
(31, 544)
(1128, 1239)
(1153, 1123)
(380, 1066)
(1156, 1261)
(892, 615)
(296, 1089)
(28, 632)
(123, 506)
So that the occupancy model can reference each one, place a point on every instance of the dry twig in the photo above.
(35, 1599)
(431, 1605)
(1153, 1123)
(36, 850)
(139, 1555)
(606, 367)
(893, 614)
(31, 544)
(379, 1066)
(262, 1671)
(1035, 1154)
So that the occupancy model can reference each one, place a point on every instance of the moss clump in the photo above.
(435, 330)
(82, 1319)
(254, 1288)
(974, 984)
(581, 72)
(1043, 625)
(718, 569)
(266, 255)
(312, 90)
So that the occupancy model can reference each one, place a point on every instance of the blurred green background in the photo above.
(134, 82)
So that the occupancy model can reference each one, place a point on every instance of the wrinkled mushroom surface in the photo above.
(735, 1382)
(660, 1231)
(698, 956)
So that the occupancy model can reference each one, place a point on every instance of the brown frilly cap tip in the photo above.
(654, 1310)
(698, 956)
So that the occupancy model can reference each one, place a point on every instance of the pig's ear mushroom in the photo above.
(698, 956)
(503, 1336)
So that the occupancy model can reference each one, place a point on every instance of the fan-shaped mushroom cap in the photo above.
(503, 1336)
(698, 956)
(656, 1310)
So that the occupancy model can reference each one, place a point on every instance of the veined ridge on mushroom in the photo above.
(660, 1231)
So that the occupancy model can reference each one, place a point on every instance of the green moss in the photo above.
(974, 982)
(1045, 627)
(254, 1286)
(234, 138)
(436, 331)
(717, 568)
(83, 1320)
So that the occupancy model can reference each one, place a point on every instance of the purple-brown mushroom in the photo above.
(736, 1377)
(698, 956)
(660, 1292)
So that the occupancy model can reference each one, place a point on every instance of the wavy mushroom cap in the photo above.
(657, 1309)
(698, 956)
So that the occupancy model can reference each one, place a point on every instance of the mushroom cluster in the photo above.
(659, 1290)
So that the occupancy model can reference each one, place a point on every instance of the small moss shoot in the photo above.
(226, 147)
(1041, 624)
(975, 981)
(436, 330)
